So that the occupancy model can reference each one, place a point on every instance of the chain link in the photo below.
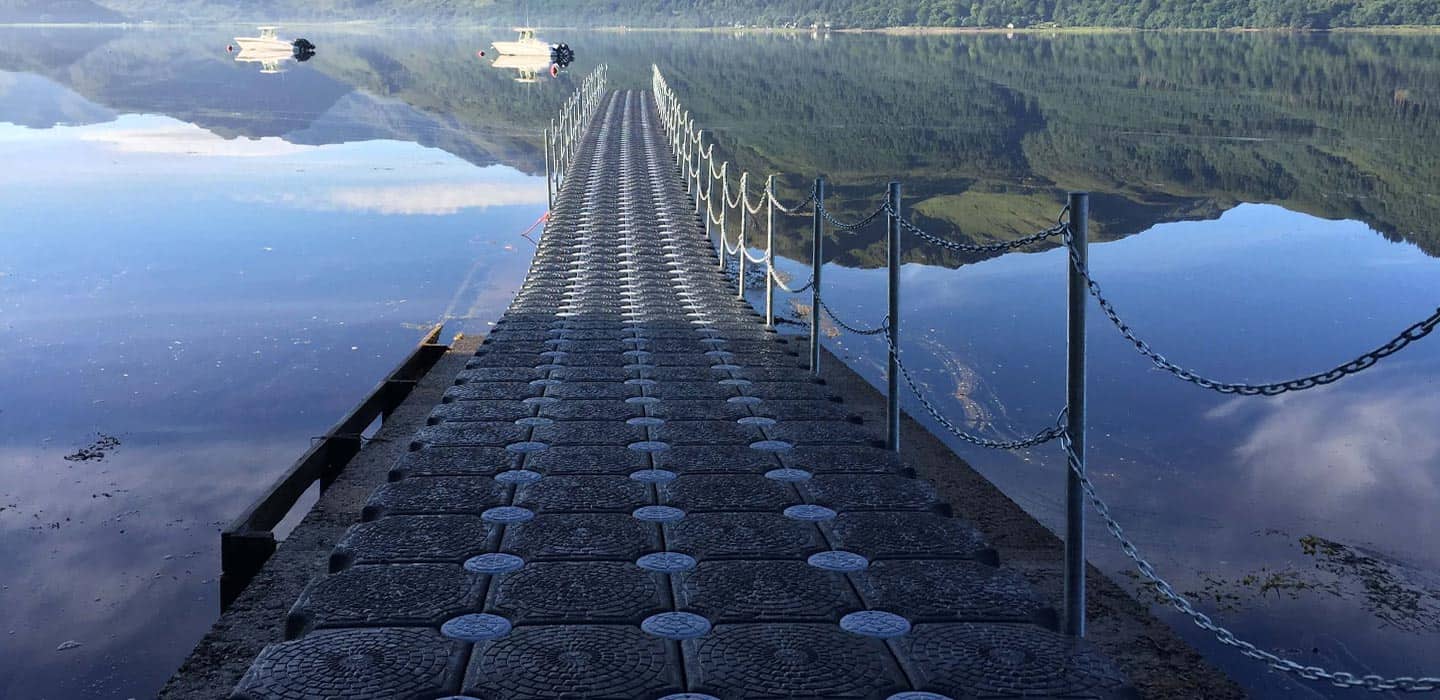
(794, 208)
(1001, 247)
(842, 226)
(1039, 438)
(781, 283)
(1181, 603)
(1359, 364)
(884, 322)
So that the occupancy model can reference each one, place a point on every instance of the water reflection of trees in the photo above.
(1171, 126)
(986, 132)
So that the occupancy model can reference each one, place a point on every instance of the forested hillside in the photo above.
(58, 11)
(1308, 14)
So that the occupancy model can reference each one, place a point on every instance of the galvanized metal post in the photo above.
(724, 198)
(743, 210)
(549, 184)
(699, 168)
(1079, 294)
(769, 252)
(817, 250)
(709, 216)
(744, 250)
(892, 334)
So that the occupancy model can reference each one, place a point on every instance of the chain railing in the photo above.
(1000, 247)
(856, 225)
(1166, 591)
(567, 130)
(1366, 361)
(695, 158)
(884, 322)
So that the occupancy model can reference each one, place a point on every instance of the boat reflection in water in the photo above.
(271, 52)
(529, 68)
(531, 57)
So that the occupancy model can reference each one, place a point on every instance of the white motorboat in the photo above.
(267, 42)
(270, 51)
(526, 45)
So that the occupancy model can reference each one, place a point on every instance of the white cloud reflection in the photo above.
(428, 198)
(1343, 454)
(181, 139)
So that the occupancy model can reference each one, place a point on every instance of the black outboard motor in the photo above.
(561, 55)
(304, 50)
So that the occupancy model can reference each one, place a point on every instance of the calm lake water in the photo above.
(210, 263)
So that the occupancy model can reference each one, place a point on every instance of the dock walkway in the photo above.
(637, 491)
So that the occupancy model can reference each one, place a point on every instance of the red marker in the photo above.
(554, 70)
(229, 48)
(481, 54)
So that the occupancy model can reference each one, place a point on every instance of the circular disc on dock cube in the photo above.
(837, 560)
(666, 562)
(527, 446)
(918, 695)
(757, 421)
(809, 513)
(744, 400)
(771, 445)
(646, 421)
(476, 627)
(507, 515)
(533, 421)
(494, 563)
(518, 476)
(875, 623)
(649, 446)
(659, 514)
(653, 476)
(676, 625)
(788, 475)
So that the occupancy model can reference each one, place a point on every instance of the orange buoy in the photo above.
(229, 48)
(481, 54)
(554, 69)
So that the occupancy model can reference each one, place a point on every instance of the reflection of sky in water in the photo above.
(1207, 484)
(213, 303)
(216, 301)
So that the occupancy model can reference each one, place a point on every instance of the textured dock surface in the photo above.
(636, 491)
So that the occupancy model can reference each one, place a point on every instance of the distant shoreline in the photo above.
(892, 31)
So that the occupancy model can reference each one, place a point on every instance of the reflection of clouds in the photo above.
(181, 139)
(1340, 454)
(130, 577)
(428, 198)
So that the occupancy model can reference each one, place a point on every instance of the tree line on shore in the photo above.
(803, 14)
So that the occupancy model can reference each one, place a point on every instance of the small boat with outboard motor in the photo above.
(271, 51)
(529, 46)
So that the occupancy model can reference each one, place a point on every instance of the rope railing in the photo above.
(691, 148)
(562, 140)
